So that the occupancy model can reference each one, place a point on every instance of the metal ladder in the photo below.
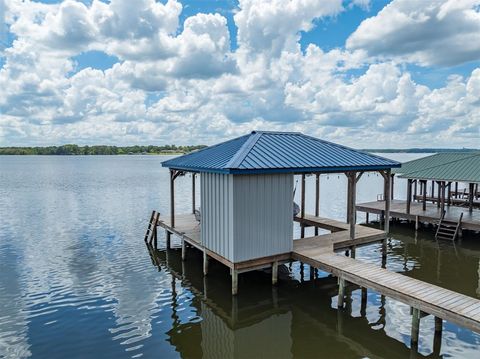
(446, 230)
(151, 233)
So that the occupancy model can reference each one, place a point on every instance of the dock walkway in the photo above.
(443, 303)
(318, 251)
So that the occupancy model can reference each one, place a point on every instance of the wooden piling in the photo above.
(415, 327)
(205, 263)
(437, 336)
(275, 273)
(363, 302)
(341, 292)
(184, 249)
(234, 282)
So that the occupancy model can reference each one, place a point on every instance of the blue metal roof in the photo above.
(278, 152)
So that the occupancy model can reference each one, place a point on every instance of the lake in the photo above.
(77, 280)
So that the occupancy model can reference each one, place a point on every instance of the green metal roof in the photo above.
(458, 167)
(431, 161)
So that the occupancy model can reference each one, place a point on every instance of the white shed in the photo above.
(246, 213)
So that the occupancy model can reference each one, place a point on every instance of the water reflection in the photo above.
(296, 319)
(77, 282)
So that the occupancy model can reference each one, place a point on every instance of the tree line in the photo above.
(98, 150)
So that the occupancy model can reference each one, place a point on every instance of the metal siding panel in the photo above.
(263, 215)
(216, 213)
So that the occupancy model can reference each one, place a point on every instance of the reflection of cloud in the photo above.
(13, 316)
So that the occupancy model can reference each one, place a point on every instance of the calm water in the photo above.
(76, 280)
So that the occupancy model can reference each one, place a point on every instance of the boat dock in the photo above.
(431, 214)
(245, 220)
(424, 297)
(319, 252)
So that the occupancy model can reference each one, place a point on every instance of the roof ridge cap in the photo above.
(244, 150)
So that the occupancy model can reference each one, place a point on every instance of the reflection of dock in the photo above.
(431, 214)
(239, 326)
(428, 298)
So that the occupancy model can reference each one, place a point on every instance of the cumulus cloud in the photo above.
(184, 81)
(433, 32)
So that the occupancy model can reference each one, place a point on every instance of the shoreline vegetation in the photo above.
(75, 150)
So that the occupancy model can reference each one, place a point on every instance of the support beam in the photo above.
(173, 175)
(471, 189)
(393, 186)
(409, 195)
(439, 194)
(184, 250)
(302, 207)
(449, 195)
(193, 192)
(456, 189)
(433, 189)
(442, 196)
(351, 202)
(415, 190)
(317, 198)
(274, 273)
(387, 179)
(424, 201)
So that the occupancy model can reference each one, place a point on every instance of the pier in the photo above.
(247, 213)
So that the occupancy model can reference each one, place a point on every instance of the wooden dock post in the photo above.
(193, 191)
(424, 201)
(437, 337)
(341, 292)
(387, 177)
(205, 263)
(184, 249)
(275, 273)
(234, 282)
(366, 217)
(363, 302)
(409, 195)
(302, 207)
(471, 188)
(317, 198)
(415, 327)
(416, 223)
(351, 211)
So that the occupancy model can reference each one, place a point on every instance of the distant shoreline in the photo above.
(420, 150)
(75, 150)
(172, 150)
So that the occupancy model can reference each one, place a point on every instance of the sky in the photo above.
(366, 74)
